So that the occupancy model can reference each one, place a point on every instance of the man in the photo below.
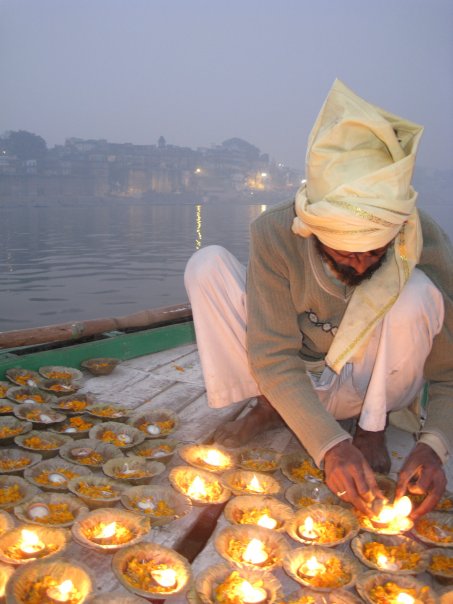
(337, 322)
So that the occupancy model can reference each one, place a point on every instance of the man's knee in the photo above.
(202, 264)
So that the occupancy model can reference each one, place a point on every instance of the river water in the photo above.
(70, 261)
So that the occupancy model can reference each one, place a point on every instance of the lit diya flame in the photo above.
(307, 530)
(255, 486)
(267, 522)
(105, 531)
(255, 552)
(62, 592)
(30, 544)
(384, 563)
(251, 595)
(396, 515)
(404, 598)
(312, 567)
(166, 577)
(197, 488)
(216, 458)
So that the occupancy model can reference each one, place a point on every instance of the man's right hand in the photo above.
(350, 477)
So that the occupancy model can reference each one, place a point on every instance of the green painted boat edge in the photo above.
(121, 346)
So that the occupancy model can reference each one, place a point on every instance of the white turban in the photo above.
(358, 197)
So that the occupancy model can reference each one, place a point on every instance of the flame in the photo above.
(255, 552)
(215, 458)
(382, 561)
(267, 522)
(197, 488)
(30, 542)
(255, 485)
(107, 530)
(165, 577)
(249, 594)
(312, 567)
(60, 593)
(403, 507)
(403, 598)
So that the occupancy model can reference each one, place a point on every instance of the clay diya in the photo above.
(391, 553)
(100, 366)
(384, 588)
(300, 467)
(108, 530)
(96, 491)
(58, 510)
(73, 404)
(257, 510)
(251, 547)
(244, 482)
(321, 568)
(257, 459)
(29, 396)
(23, 377)
(309, 493)
(118, 434)
(56, 372)
(159, 449)
(435, 528)
(38, 415)
(134, 470)
(75, 426)
(14, 461)
(200, 486)
(59, 388)
(14, 490)
(89, 452)
(10, 427)
(319, 524)
(151, 570)
(441, 565)
(106, 411)
(207, 457)
(54, 474)
(28, 543)
(220, 583)
(52, 581)
(158, 503)
(47, 444)
(157, 423)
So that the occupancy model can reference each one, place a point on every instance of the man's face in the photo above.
(352, 267)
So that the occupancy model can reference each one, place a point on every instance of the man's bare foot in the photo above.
(261, 417)
(373, 447)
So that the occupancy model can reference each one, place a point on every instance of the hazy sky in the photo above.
(201, 71)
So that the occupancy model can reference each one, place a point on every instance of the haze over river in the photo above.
(70, 261)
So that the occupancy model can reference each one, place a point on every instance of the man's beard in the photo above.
(347, 274)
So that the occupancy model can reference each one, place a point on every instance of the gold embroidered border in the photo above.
(360, 212)
(365, 330)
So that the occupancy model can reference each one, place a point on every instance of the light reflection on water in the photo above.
(65, 262)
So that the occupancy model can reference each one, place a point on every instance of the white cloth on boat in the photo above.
(385, 375)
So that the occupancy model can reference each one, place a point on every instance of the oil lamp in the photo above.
(311, 567)
(62, 592)
(165, 577)
(104, 532)
(307, 530)
(255, 552)
(405, 598)
(197, 488)
(385, 564)
(30, 544)
(395, 515)
(215, 458)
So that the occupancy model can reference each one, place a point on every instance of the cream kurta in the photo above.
(284, 294)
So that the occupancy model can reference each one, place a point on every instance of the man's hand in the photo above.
(422, 474)
(350, 477)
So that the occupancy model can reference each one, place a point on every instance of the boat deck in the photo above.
(172, 379)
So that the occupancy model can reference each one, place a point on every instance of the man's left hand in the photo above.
(422, 474)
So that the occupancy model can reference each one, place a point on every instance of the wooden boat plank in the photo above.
(159, 359)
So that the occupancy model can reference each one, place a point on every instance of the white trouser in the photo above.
(387, 376)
